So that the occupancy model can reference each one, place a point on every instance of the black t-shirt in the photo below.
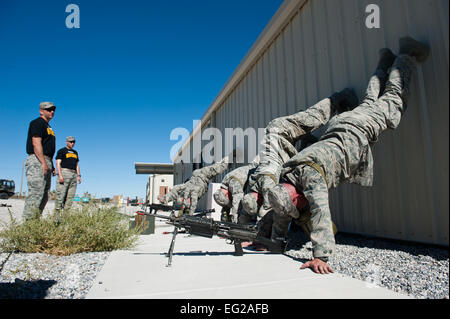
(69, 158)
(40, 128)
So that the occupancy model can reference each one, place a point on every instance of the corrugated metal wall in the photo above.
(326, 47)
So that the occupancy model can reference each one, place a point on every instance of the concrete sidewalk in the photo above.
(207, 269)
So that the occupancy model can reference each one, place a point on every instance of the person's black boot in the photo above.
(344, 101)
(386, 60)
(414, 48)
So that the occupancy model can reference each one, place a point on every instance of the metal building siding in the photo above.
(325, 47)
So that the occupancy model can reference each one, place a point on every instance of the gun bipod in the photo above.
(172, 244)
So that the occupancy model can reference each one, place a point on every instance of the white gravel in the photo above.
(415, 269)
(43, 276)
(38, 276)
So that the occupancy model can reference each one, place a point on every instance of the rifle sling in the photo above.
(317, 168)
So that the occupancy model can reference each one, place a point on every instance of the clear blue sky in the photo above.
(131, 73)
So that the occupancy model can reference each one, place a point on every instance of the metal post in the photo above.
(172, 244)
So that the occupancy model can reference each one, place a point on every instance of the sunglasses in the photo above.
(50, 110)
(71, 142)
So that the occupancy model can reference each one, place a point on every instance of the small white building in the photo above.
(158, 186)
(160, 181)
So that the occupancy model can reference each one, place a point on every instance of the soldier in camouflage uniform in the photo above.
(279, 141)
(68, 175)
(344, 151)
(174, 195)
(39, 167)
(189, 192)
(233, 186)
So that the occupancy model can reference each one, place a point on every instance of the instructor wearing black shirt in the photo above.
(68, 173)
(39, 165)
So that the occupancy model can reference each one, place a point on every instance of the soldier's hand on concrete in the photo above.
(60, 179)
(318, 266)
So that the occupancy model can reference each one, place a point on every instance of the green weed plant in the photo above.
(91, 228)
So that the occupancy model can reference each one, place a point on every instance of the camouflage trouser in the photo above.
(195, 189)
(236, 183)
(65, 192)
(191, 196)
(377, 113)
(236, 190)
(278, 145)
(316, 192)
(174, 195)
(197, 185)
(38, 186)
(282, 133)
(341, 154)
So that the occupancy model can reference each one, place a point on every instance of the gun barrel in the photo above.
(164, 217)
(165, 208)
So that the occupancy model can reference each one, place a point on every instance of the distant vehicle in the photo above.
(76, 199)
(105, 200)
(7, 188)
(133, 202)
(85, 199)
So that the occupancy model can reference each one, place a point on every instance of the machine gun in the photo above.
(200, 225)
(5, 205)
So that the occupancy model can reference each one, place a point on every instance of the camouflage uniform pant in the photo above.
(192, 193)
(197, 185)
(65, 192)
(38, 186)
(343, 153)
(174, 195)
(237, 193)
(278, 145)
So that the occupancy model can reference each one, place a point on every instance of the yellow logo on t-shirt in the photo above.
(69, 155)
(50, 131)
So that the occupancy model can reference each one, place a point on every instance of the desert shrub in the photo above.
(88, 229)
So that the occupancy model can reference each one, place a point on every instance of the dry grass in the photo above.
(91, 228)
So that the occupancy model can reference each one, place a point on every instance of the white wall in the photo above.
(154, 184)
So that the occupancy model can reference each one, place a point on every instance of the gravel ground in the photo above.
(418, 270)
(43, 276)
(39, 276)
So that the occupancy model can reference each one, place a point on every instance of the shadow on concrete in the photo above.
(25, 289)
(302, 260)
(205, 253)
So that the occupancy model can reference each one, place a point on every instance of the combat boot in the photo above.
(343, 101)
(414, 48)
(386, 59)
(278, 236)
(245, 218)
(281, 202)
(265, 183)
(265, 224)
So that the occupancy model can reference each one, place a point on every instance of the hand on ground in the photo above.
(318, 266)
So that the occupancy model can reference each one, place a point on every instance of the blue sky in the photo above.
(131, 73)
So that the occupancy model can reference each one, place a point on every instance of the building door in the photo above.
(163, 190)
